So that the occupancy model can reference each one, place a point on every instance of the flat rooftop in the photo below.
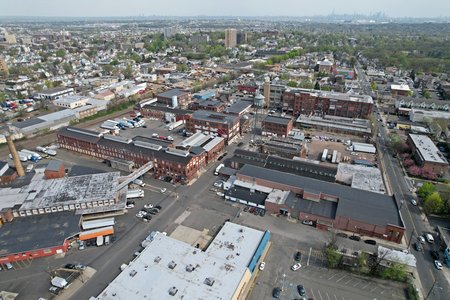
(333, 124)
(223, 263)
(427, 149)
(365, 206)
(277, 120)
(37, 232)
(335, 95)
(171, 93)
(361, 177)
(214, 117)
(69, 190)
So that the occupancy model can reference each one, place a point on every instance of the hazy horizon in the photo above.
(238, 8)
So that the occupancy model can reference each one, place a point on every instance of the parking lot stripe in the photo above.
(320, 295)
(328, 296)
(312, 292)
(348, 281)
(359, 281)
(366, 285)
(333, 276)
(341, 278)
(335, 297)
(373, 289)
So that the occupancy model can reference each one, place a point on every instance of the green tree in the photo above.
(60, 53)
(333, 257)
(49, 84)
(67, 68)
(433, 203)
(136, 57)
(425, 190)
(107, 68)
(373, 86)
(128, 72)
(395, 271)
(292, 83)
(426, 95)
(306, 84)
(114, 62)
(317, 86)
(182, 67)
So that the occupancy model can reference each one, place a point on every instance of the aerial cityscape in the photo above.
(241, 150)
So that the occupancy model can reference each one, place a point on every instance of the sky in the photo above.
(107, 8)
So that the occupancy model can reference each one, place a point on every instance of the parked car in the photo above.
(54, 290)
(438, 264)
(355, 238)
(262, 212)
(148, 205)
(434, 254)
(296, 267)
(262, 266)
(276, 293)
(163, 190)
(298, 256)
(301, 290)
(370, 242)
(417, 247)
(220, 194)
(308, 222)
(413, 202)
(8, 266)
(421, 239)
(341, 234)
(158, 207)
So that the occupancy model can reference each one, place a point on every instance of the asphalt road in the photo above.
(413, 220)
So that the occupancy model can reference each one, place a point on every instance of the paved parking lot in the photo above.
(319, 281)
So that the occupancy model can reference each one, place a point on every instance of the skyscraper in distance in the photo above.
(230, 38)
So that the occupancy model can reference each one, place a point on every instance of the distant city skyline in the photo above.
(300, 8)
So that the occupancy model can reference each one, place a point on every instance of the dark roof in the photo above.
(37, 232)
(79, 134)
(54, 165)
(322, 208)
(356, 204)
(215, 117)
(125, 147)
(196, 150)
(151, 140)
(287, 165)
(209, 103)
(2, 164)
(82, 170)
(176, 111)
(27, 123)
(227, 171)
(277, 120)
(55, 90)
(239, 106)
(245, 194)
(171, 93)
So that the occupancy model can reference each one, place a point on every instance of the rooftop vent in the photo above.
(209, 281)
(173, 291)
(157, 259)
(172, 265)
(133, 273)
(190, 268)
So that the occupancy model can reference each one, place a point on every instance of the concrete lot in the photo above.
(317, 146)
(320, 282)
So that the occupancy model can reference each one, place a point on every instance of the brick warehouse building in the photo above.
(277, 125)
(180, 164)
(226, 126)
(330, 205)
(182, 98)
(37, 236)
(427, 154)
(305, 102)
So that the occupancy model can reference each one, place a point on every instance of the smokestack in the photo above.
(15, 156)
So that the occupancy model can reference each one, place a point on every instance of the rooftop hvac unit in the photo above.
(173, 291)
(172, 265)
(190, 268)
(209, 281)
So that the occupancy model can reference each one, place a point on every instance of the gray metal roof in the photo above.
(322, 208)
(277, 120)
(54, 165)
(37, 232)
(364, 206)
(239, 106)
(171, 93)
(27, 123)
(215, 117)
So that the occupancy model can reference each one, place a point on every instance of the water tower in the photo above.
(258, 103)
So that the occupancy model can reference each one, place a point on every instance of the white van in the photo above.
(429, 238)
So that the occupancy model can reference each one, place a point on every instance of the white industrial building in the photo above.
(363, 147)
(171, 269)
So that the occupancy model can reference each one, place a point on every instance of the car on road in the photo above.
(438, 264)
(413, 202)
(296, 266)
(262, 266)
(355, 238)
(434, 254)
(276, 293)
(240, 144)
(298, 256)
(417, 246)
(148, 206)
(301, 290)
(308, 222)
(421, 239)
(220, 194)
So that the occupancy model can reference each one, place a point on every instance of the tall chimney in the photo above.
(15, 156)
